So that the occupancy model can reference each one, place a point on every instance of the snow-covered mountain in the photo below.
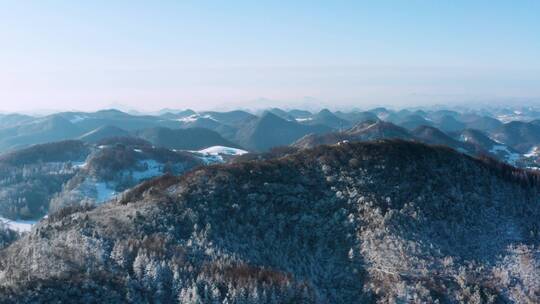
(384, 222)
(44, 178)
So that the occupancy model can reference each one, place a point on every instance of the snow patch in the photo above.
(304, 119)
(534, 152)
(511, 157)
(464, 137)
(18, 225)
(79, 164)
(495, 140)
(215, 154)
(104, 192)
(77, 118)
(217, 150)
(195, 117)
(209, 117)
(190, 118)
(153, 169)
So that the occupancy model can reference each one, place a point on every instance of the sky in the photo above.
(147, 55)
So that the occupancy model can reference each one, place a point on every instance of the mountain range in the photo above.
(279, 206)
(263, 131)
(51, 172)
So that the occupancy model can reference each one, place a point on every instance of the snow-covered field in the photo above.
(18, 225)
(216, 150)
(215, 154)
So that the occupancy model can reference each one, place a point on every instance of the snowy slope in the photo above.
(152, 169)
(217, 150)
(215, 154)
(510, 158)
(18, 225)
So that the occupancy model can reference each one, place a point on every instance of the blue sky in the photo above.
(224, 54)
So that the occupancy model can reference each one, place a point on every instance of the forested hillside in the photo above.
(384, 222)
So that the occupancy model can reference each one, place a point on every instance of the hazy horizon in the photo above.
(310, 104)
(148, 56)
